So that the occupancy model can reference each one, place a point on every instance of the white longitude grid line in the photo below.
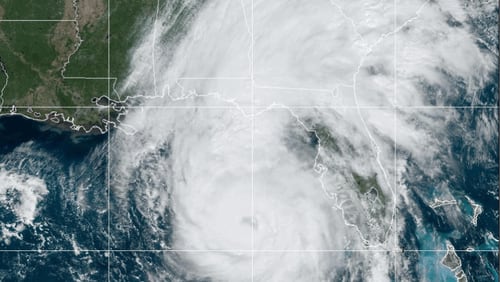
(108, 161)
(395, 102)
(252, 43)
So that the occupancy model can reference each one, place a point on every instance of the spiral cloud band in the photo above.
(272, 139)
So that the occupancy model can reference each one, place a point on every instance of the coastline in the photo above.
(17, 129)
(58, 121)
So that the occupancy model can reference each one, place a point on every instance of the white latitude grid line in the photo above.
(275, 106)
(34, 20)
(105, 251)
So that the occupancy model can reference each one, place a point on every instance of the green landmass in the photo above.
(62, 65)
(327, 140)
(32, 9)
(367, 184)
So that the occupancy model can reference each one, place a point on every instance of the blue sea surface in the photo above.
(71, 218)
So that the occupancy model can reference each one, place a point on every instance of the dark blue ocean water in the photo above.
(470, 170)
(73, 167)
(74, 212)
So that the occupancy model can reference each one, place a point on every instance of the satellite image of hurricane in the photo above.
(249, 140)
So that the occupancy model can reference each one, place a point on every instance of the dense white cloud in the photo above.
(20, 194)
(240, 178)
